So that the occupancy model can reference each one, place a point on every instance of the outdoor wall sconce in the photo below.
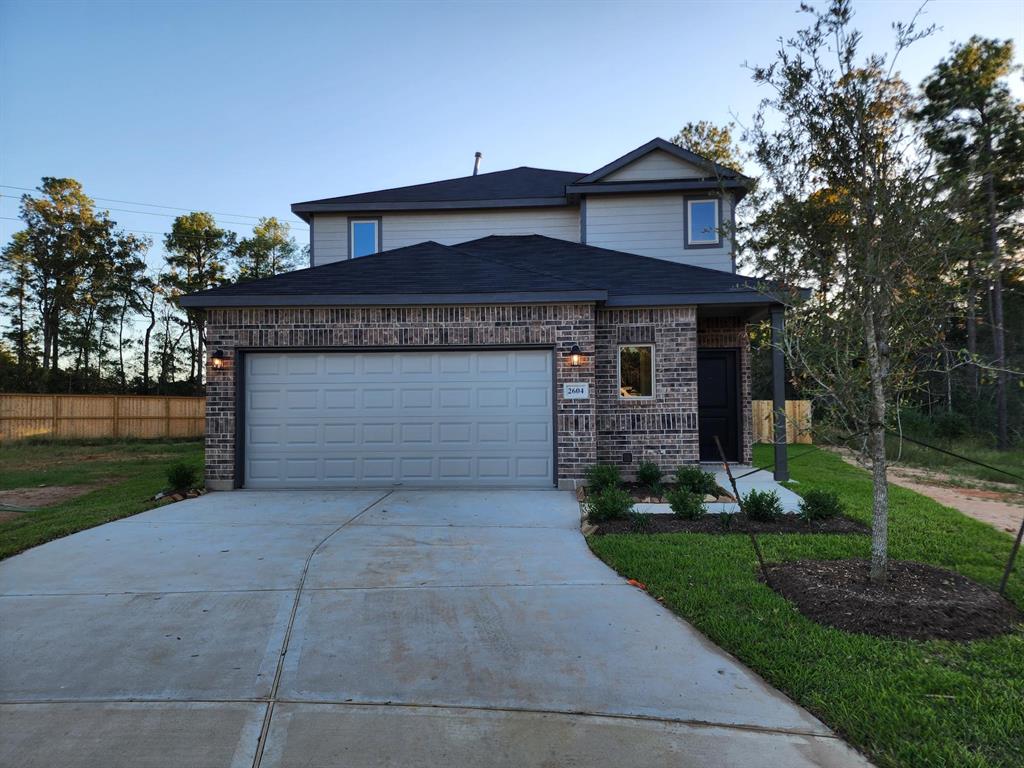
(576, 358)
(218, 359)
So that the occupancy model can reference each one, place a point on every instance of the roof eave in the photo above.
(214, 301)
(738, 298)
(305, 209)
(607, 188)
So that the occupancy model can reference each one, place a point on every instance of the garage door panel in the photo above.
(419, 397)
(340, 471)
(412, 365)
(533, 432)
(339, 399)
(339, 365)
(533, 397)
(455, 397)
(454, 433)
(494, 432)
(455, 468)
(492, 397)
(415, 418)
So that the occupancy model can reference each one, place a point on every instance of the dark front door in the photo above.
(718, 401)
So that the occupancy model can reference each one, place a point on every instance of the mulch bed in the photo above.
(642, 493)
(740, 524)
(919, 602)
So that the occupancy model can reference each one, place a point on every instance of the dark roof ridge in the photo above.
(534, 270)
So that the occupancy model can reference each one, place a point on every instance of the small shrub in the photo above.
(601, 476)
(763, 506)
(686, 505)
(640, 522)
(608, 504)
(950, 426)
(725, 519)
(649, 474)
(696, 480)
(181, 477)
(819, 504)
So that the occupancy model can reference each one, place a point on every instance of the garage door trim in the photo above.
(240, 401)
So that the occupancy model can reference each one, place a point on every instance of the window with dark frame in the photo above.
(702, 218)
(636, 371)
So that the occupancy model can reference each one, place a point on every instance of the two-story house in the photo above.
(499, 329)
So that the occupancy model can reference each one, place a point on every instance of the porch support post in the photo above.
(779, 395)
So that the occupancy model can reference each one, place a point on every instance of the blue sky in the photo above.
(244, 108)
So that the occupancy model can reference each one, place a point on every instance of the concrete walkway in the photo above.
(366, 629)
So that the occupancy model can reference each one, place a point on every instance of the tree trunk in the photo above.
(120, 345)
(145, 348)
(998, 331)
(877, 353)
(948, 375)
(201, 326)
(972, 327)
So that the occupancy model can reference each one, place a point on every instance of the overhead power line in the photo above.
(133, 231)
(167, 207)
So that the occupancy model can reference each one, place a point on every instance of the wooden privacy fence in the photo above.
(71, 417)
(798, 421)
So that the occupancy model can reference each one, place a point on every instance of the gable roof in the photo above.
(494, 269)
(658, 144)
(523, 186)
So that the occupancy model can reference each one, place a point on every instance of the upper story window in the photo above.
(636, 371)
(363, 237)
(702, 222)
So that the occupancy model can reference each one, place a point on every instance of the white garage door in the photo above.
(342, 419)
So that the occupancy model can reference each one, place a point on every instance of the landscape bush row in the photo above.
(607, 499)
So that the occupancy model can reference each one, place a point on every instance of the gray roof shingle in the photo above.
(523, 185)
(492, 269)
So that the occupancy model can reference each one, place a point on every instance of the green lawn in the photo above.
(126, 476)
(903, 703)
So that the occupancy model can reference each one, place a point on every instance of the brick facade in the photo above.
(601, 428)
(662, 430)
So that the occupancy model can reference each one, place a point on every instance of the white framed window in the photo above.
(636, 371)
(363, 237)
(702, 222)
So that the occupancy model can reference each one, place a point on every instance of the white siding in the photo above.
(330, 239)
(651, 225)
(655, 166)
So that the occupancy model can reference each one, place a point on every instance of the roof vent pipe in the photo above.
(476, 163)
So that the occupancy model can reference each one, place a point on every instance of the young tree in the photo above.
(976, 127)
(847, 210)
(270, 251)
(196, 258)
(714, 142)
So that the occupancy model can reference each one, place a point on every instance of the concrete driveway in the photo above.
(366, 629)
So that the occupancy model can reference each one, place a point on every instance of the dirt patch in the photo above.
(1000, 509)
(919, 602)
(45, 496)
(7, 515)
(665, 523)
